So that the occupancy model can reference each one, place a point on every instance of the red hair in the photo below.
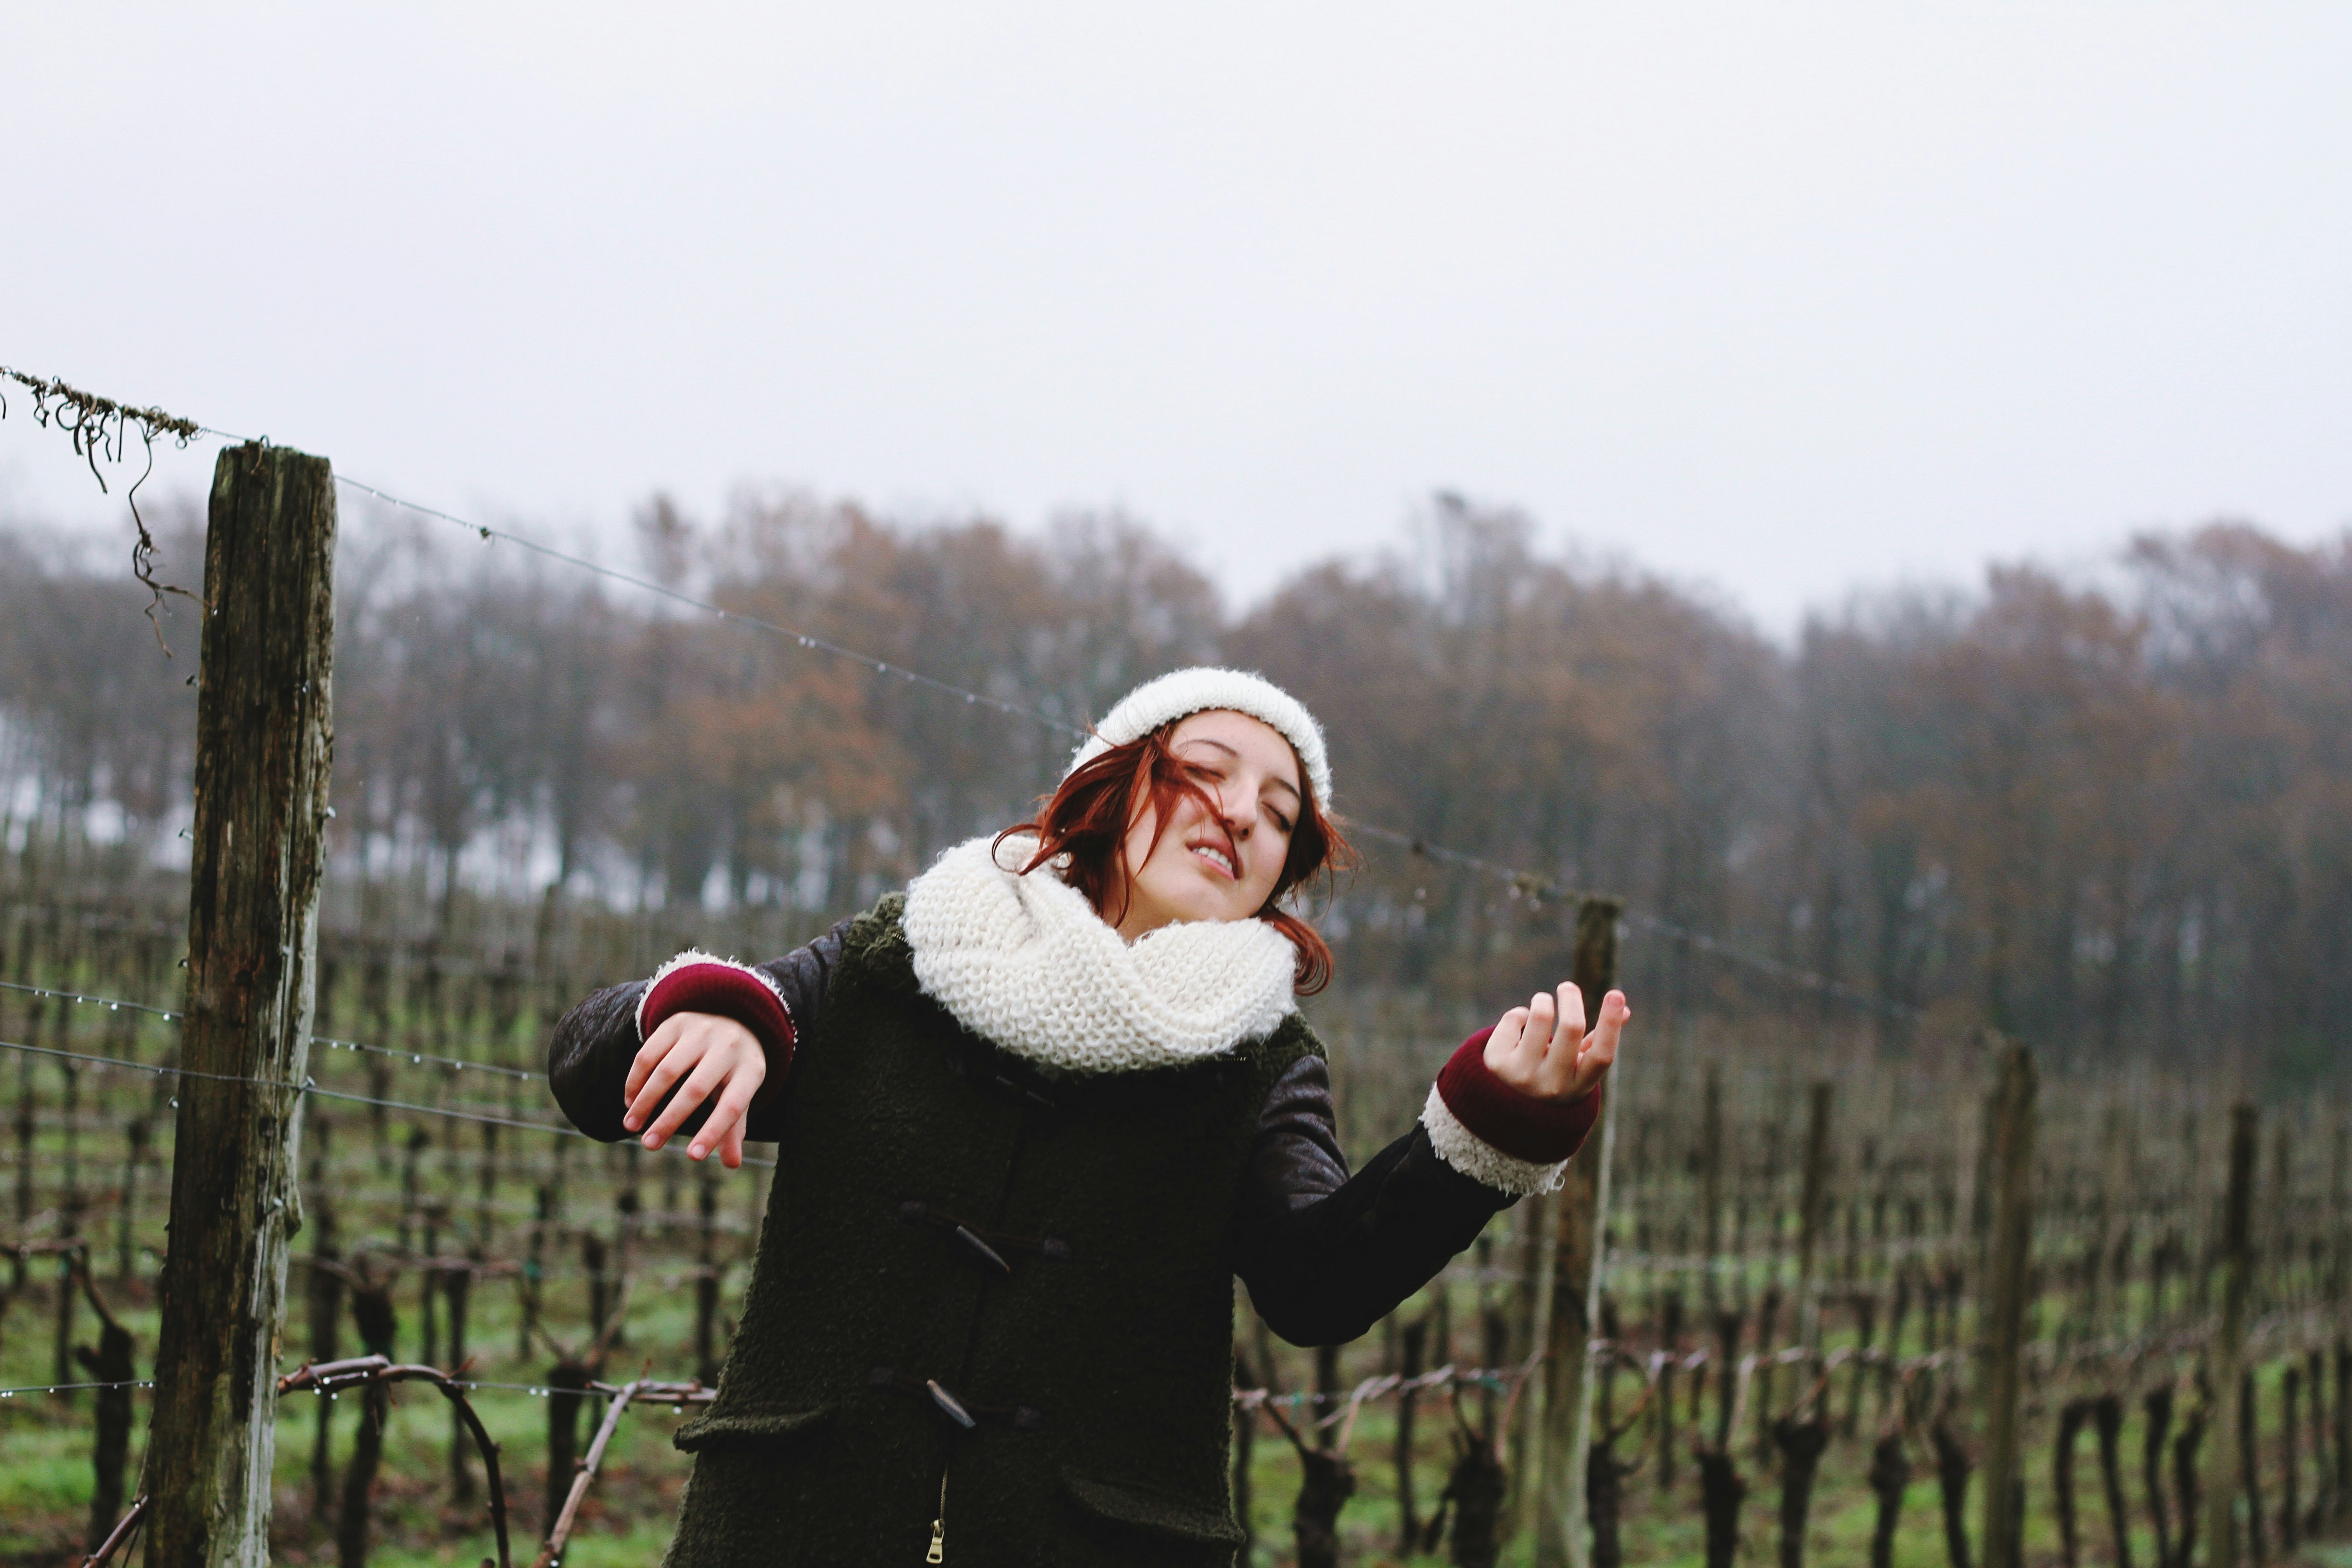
(1087, 816)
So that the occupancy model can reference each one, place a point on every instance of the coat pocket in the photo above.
(1179, 1520)
(746, 1503)
(727, 1431)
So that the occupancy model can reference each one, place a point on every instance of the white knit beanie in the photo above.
(1180, 693)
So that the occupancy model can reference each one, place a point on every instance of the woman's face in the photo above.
(1219, 865)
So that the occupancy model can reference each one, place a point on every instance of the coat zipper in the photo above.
(939, 1552)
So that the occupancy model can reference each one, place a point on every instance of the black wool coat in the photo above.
(994, 1306)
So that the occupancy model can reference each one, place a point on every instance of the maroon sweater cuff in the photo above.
(731, 992)
(1540, 1132)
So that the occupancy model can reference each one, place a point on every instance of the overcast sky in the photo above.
(1782, 299)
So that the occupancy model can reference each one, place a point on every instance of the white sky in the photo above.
(1778, 298)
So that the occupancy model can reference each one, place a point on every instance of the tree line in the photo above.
(2110, 811)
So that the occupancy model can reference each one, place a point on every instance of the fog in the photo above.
(1776, 301)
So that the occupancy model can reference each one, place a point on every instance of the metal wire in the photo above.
(1530, 881)
(111, 1002)
(69, 1387)
(1716, 947)
(805, 640)
(455, 1064)
(2044, 1353)
(312, 1087)
(1533, 882)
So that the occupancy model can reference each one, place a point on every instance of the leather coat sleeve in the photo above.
(588, 1056)
(1326, 1255)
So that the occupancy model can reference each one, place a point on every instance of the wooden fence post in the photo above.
(2222, 1462)
(2009, 1266)
(2339, 1291)
(111, 1363)
(1533, 1306)
(264, 738)
(1557, 1465)
(1710, 1157)
(1813, 1213)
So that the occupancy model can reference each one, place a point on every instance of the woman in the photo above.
(1032, 1117)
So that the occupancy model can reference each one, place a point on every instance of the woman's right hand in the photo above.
(1542, 1049)
(699, 1052)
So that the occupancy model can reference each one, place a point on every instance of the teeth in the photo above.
(1206, 853)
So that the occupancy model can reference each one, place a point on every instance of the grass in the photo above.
(45, 1477)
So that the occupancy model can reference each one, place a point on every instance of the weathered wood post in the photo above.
(2159, 1406)
(325, 1300)
(2009, 1263)
(705, 1281)
(2339, 1293)
(1557, 1465)
(1532, 1306)
(2222, 1463)
(457, 1284)
(126, 1245)
(1813, 1213)
(1710, 1157)
(264, 739)
(1414, 1340)
(111, 1363)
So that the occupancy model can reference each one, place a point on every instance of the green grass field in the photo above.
(46, 1477)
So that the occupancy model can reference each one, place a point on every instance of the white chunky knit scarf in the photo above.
(1026, 963)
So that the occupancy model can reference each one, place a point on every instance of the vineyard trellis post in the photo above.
(264, 742)
(2339, 1194)
(2223, 1458)
(2008, 1284)
(1813, 1215)
(1556, 1461)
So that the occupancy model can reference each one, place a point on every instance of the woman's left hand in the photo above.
(1542, 1049)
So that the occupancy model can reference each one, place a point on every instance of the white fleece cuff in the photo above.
(1481, 1161)
(693, 955)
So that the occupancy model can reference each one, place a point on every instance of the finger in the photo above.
(1542, 1019)
(1557, 1069)
(650, 1053)
(1571, 1014)
(1614, 1011)
(708, 1074)
(1600, 1051)
(707, 1078)
(674, 1064)
(727, 1116)
(1503, 1044)
(729, 1143)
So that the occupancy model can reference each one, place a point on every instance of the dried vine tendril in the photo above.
(100, 429)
